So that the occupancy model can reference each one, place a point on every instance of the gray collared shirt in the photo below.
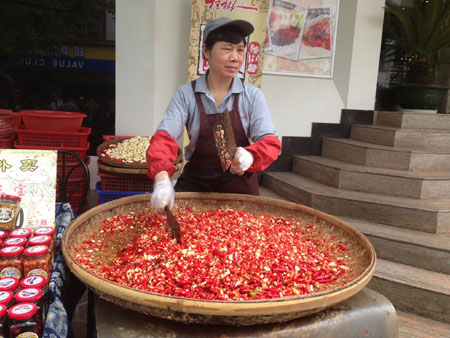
(183, 111)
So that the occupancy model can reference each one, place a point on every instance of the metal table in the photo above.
(366, 314)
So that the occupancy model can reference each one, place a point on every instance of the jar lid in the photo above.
(29, 295)
(22, 232)
(22, 311)
(8, 283)
(3, 234)
(36, 281)
(16, 241)
(40, 240)
(11, 196)
(11, 251)
(36, 250)
(6, 297)
(2, 310)
(44, 231)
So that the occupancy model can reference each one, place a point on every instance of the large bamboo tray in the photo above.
(222, 312)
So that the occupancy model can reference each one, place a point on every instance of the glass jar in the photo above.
(35, 296)
(21, 232)
(39, 282)
(9, 284)
(3, 322)
(23, 321)
(36, 281)
(16, 241)
(11, 264)
(42, 240)
(37, 261)
(6, 298)
(9, 210)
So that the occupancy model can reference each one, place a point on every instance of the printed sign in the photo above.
(254, 11)
(31, 175)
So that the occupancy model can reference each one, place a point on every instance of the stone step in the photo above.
(412, 326)
(349, 176)
(409, 247)
(413, 290)
(374, 155)
(394, 137)
(412, 120)
(431, 216)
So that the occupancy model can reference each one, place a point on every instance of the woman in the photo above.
(196, 105)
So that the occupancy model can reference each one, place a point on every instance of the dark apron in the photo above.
(203, 172)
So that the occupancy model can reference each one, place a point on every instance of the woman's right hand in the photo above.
(163, 192)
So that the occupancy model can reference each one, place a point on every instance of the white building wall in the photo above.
(152, 47)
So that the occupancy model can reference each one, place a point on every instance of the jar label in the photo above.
(43, 231)
(10, 272)
(28, 293)
(5, 282)
(4, 295)
(21, 309)
(6, 215)
(20, 232)
(38, 272)
(16, 240)
(33, 280)
(28, 335)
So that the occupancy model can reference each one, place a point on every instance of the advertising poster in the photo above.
(30, 175)
(300, 37)
(254, 11)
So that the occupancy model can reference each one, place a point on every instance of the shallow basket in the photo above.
(221, 312)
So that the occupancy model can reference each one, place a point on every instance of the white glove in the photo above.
(242, 160)
(163, 194)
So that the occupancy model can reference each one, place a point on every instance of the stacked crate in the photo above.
(9, 120)
(116, 181)
(55, 130)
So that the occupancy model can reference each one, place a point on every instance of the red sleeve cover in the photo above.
(265, 152)
(161, 154)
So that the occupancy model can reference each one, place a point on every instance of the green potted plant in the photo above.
(421, 32)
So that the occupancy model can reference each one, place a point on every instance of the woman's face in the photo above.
(225, 59)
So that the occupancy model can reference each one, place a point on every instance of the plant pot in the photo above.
(421, 96)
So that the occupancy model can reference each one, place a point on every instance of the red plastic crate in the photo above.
(7, 143)
(75, 202)
(78, 172)
(136, 183)
(29, 137)
(74, 185)
(69, 159)
(9, 121)
(52, 120)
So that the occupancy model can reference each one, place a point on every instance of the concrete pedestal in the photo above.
(366, 314)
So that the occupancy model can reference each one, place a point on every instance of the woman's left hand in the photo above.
(242, 160)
